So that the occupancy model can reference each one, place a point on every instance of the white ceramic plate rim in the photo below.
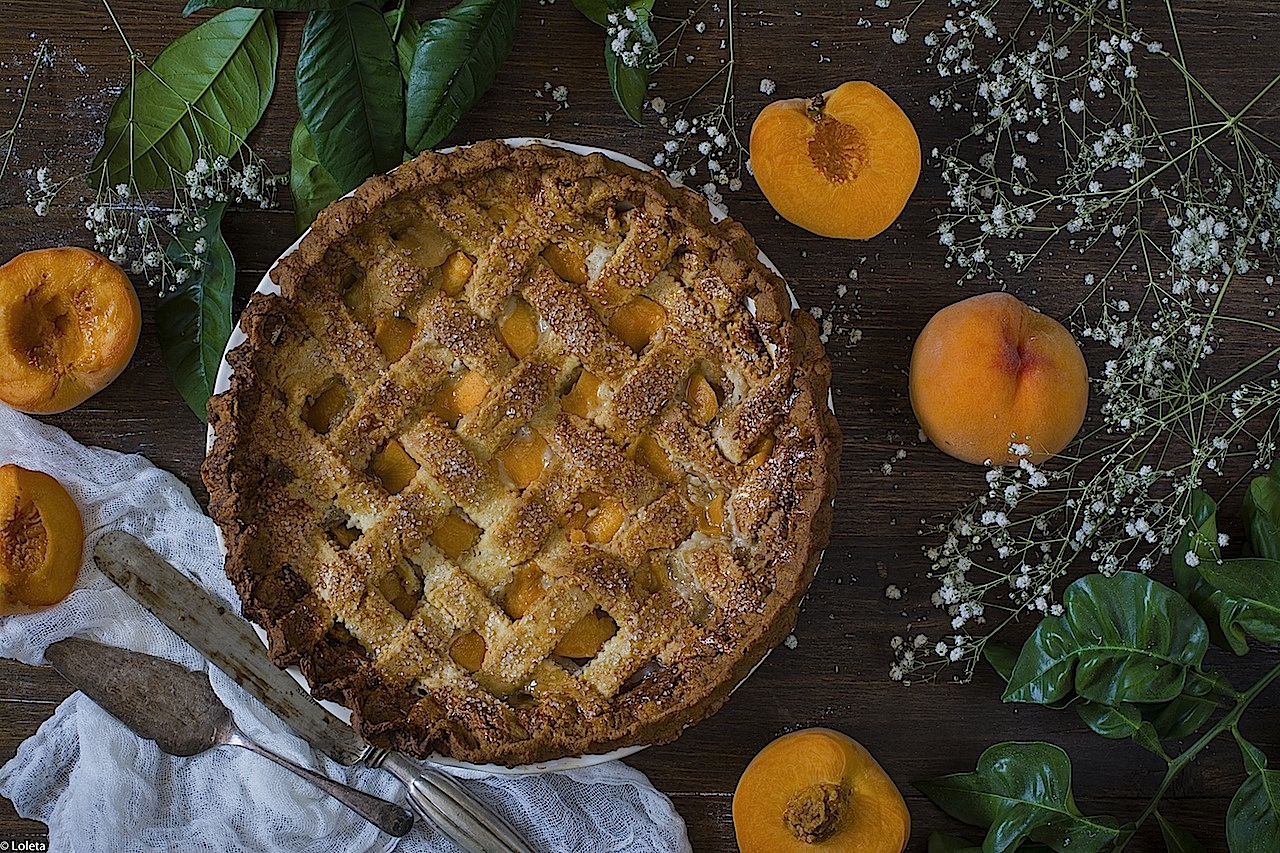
(222, 381)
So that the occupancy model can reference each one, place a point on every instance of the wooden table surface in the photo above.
(837, 674)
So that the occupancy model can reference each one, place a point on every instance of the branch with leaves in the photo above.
(1128, 654)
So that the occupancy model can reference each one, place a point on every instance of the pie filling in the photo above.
(530, 458)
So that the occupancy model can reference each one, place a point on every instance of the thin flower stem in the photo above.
(10, 136)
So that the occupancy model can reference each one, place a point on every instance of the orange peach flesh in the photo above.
(41, 540)
(988, 373)
(69, 323)
(814, 158)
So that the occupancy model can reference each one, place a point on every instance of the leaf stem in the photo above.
(1178, 764)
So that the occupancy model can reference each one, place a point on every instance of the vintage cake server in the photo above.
(177, 708)
(229, 642)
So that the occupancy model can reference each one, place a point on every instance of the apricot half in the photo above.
(818, 790)
(41, 540)
(69, 323)
(990, 375)
(842, 164)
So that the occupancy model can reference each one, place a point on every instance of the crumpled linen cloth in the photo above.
(101, 788)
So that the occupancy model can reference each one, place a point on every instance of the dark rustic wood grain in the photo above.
(836, 676)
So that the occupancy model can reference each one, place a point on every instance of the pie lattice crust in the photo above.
(530, 458)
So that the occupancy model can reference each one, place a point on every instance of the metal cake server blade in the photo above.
(177, 708)
(231, 644)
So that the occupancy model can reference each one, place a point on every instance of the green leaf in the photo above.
(1002, 657)
(201, 97)
(1177, 839)
(1200, 537)
(1119, 722)
(278, 5)
(1182, 716)
(404, 32)
(597, 10)
(351, 94)
(941, 842)
(1126, 720)
(1262, 514)
(1120, 639)
(1255, 761)
(1021, 791)
(1253, 583)
(193, 322)
(456, 61)
(1253, 818)
(630, 83)
(311, 184)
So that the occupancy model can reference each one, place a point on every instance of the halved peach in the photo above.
(69, 323)
(41, 540)
(842, 164)
(818, 789)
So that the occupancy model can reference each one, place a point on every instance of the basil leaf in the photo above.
(1021, 791)
(630, 83)
(193, 322)
(310, 183)
(1253, 818)
(1262, 514)
(350, 93)
(1200, 537)
(203, 94)
(278, 5)
(1120, 639)
(456, 61)
(1255, 584)
(1177, 839)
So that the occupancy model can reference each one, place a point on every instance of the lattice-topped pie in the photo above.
(531, 458)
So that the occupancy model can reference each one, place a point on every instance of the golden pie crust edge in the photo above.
(661, 706)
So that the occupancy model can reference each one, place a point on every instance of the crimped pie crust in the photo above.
(340, 566)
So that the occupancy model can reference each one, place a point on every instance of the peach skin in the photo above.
(989, 372)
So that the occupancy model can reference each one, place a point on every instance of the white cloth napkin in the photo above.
(101, 788)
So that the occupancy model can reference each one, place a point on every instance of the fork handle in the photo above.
(437, 797)
(385, 815)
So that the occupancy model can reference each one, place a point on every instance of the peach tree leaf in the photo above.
(201, 96)
(310, 183)
(455, 62)
(277, 5)
(351, 94)
(193, 322)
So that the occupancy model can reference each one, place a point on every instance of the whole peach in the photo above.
(989, 372)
